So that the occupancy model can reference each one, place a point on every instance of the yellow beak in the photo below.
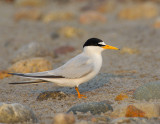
(110, 47)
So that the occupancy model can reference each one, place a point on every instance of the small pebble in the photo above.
(138, 11)
(92, 17)
(93, 108)
(33, 49)
(62, 118)
(64, 50)
(121, 96)
(57, 16)
(16, 113)
(4, 74)
(70, 32)
(51, 95)
(27, 14)
(148, 91)
(31, 65)
(143, 109)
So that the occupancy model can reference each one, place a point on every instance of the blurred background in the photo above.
(57, 29)
(40, 35)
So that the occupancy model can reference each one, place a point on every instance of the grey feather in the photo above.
(30, 82)
(77, 67)
(34, 76)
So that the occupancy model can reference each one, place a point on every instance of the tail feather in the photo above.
(38, 76)
(30, 82)
(18, 74)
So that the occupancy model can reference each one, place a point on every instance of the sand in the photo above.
(126, 71)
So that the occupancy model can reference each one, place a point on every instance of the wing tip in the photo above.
(19, 74)
(36, 76)
(13, 83)
(29, 82)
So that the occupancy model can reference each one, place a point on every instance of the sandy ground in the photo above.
(125, 71)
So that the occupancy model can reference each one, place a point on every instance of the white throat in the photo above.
(92, 50)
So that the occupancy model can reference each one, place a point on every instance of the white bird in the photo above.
(77, 70)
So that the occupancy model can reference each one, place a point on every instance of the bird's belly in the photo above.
(63, 82)
(77, 81)
(66, 82)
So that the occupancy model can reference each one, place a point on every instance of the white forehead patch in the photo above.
(101, 43)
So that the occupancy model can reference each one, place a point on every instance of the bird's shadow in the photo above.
(99, 81)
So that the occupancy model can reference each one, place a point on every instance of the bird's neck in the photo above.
(92, 50)
(95, 54)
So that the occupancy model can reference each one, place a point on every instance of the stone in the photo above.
(121, 96)
(33, 49)
(62, 118)
(93, 107)
(32, 3)
(64, 50)
(92, 17)
(129, 50)
(157, 23)
(143, 109)
(16, 113)
(54, 35)
(147, 91)
(57, 16)
(27, 14)
(70, 32)
(4, 74)
(51, 95)
(145, 10)
(31, 65)
(135, 120)
(150, 109)
(132, 111)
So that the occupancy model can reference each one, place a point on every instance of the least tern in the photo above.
(77, 70)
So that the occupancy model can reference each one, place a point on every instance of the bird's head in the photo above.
(97, 45)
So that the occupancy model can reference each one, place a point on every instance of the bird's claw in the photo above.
(81, 96)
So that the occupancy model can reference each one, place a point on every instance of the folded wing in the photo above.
(77, 67)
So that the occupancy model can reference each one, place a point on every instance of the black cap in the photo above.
(93, 42)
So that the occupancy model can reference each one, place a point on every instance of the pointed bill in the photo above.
(110, 47)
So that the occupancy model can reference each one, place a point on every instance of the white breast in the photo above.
(96, 58)
(94, 53)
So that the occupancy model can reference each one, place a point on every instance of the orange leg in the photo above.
(80, 95)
